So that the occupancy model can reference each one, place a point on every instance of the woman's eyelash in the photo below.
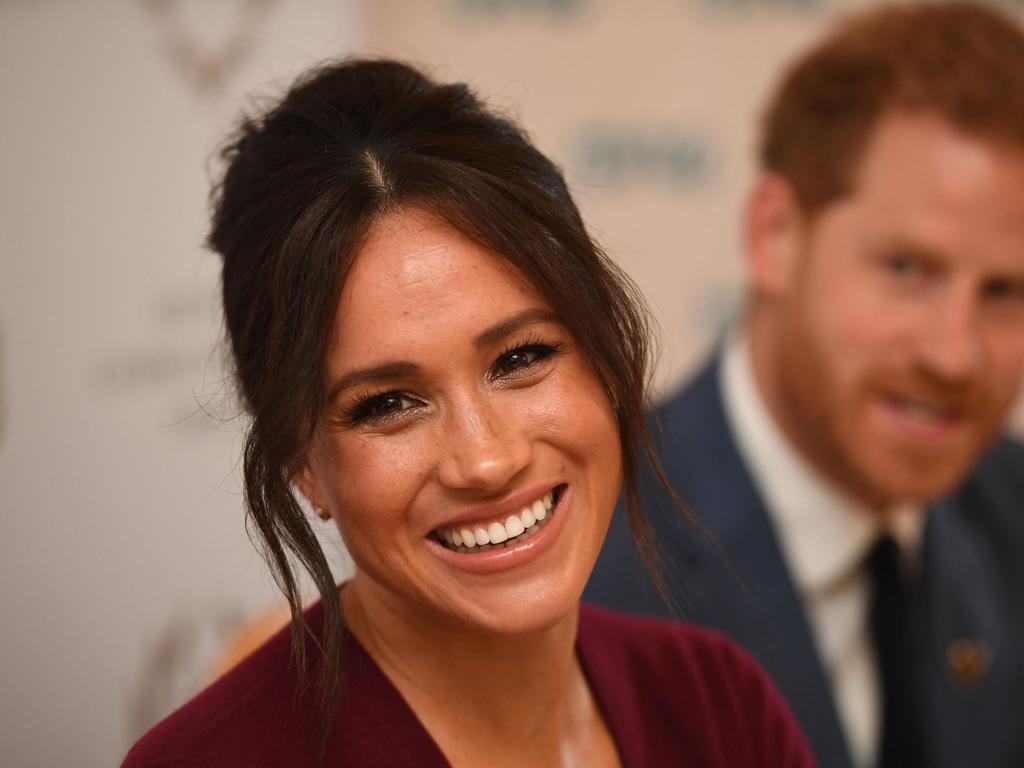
(378, 407)
(381, 407)
(523, 355)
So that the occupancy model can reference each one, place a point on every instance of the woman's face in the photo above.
(470, 458)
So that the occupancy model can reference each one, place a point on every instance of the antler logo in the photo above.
(206, 64)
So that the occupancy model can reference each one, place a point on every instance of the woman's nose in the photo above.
(484, 445)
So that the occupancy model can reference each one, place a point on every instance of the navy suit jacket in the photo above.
(972, 586)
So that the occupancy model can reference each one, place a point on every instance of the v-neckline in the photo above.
(369, 682)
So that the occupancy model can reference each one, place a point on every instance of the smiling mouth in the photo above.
(925, 413)
(516, 528)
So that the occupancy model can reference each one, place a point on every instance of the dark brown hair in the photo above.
(961, 61)
(304, 182)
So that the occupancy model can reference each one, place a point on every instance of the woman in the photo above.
(439, 359)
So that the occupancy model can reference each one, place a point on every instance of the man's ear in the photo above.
(773, 233)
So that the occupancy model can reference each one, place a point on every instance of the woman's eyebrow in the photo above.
(402, 368)
(372, 375)
(500, 330)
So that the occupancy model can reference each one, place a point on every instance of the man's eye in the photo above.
(1000, 289)
(912, 272)
(902, 266)
(521, 359)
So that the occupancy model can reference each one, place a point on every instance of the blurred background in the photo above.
(124, 563)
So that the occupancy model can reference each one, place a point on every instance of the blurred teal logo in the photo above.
(620, 155)
(750, 6)
(509, 7)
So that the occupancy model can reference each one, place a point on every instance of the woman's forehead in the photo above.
(416, 278)
(412, 248)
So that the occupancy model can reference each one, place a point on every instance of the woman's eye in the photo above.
(522, 358)
(380, 408)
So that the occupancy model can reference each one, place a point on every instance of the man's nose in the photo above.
(484, 444)
(951, 347)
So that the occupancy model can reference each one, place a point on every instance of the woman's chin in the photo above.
(521, 611)
(526, 604)
(520, 601)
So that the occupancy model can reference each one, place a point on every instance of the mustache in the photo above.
(959, 395)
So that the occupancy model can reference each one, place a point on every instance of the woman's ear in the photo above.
(305, 481)
(773, 232)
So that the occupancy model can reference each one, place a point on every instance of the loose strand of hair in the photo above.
(282, 527)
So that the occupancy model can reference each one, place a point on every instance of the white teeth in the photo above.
(914, 409)
(514, 526)
(496, 533)
(539, 510)
(524, 525)
(527, 517)
(921, 412)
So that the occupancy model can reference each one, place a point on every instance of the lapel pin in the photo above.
(968, 661)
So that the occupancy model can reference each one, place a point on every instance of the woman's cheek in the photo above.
(578, 408)
(379, 476)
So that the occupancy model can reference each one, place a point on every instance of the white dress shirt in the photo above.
(825, 537)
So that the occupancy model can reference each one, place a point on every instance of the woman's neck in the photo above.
(485, 699)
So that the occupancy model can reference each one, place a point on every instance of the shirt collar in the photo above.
(824, 533)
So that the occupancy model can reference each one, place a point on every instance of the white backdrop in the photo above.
(123, 560)
(122, 552)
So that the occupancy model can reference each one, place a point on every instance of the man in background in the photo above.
(843, 447)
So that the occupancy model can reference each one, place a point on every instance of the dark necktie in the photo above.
(891, 623)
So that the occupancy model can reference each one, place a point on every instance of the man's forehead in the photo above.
(920, 173)
(922, 142)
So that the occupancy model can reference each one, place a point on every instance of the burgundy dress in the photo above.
(672, 695)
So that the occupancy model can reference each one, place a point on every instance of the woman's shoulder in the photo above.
(255, 713)
(667, 649)
(627, 630)
(645, 641)
(713, 697)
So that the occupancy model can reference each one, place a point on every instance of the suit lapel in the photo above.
(751, 596)
(967, 670)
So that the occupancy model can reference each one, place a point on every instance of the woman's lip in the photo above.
(495, 560)
(512, 505)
